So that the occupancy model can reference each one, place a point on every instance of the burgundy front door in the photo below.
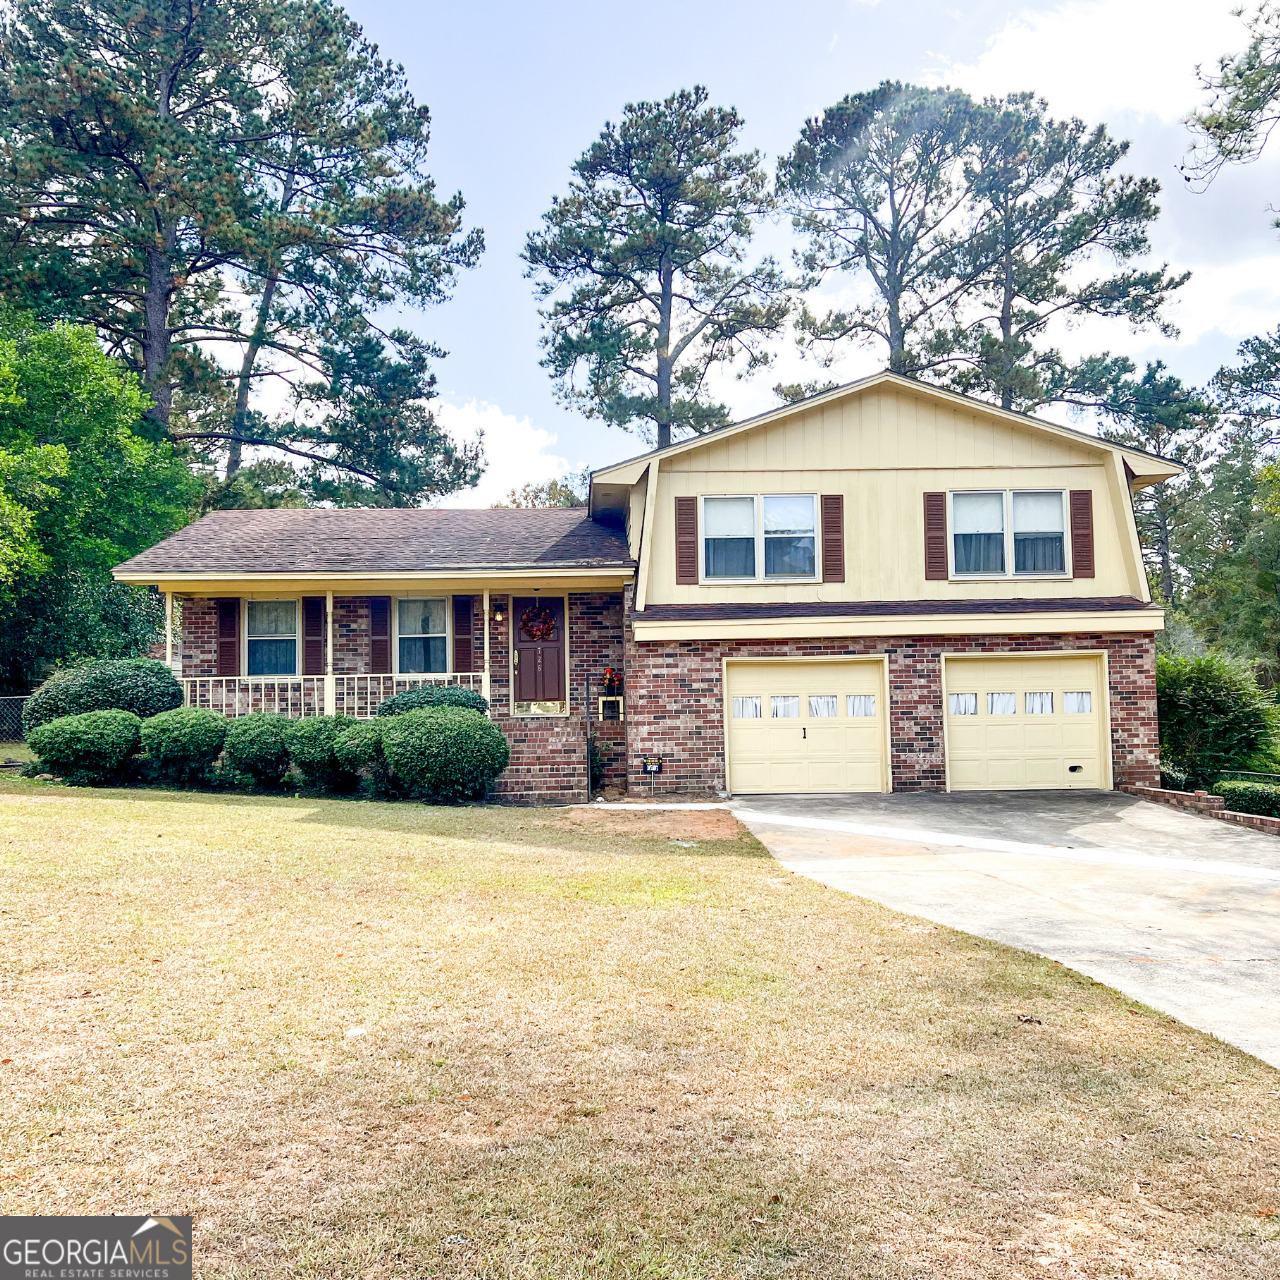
(539, 648)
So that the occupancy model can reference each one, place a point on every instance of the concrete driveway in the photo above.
(1178, 911)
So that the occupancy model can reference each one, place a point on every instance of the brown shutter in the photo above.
(462, 649)
(687, 541)
(313, 635)
(228, 637)
(833, 537)
(1082, 533)
(935, 537)
(379, 635)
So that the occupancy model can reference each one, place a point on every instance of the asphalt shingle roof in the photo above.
(385, 541)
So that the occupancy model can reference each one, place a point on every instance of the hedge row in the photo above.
(438, 753)
(1251, 797)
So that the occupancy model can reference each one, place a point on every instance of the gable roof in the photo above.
(1142, 465)
(380, 541)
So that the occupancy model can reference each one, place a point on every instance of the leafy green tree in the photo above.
(877, 185)
(228, 191)
(567, 491)
(103, 492)
(1158, 414)
(1052, 229)
(644, 267)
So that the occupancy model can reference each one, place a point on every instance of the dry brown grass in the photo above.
(363, 1040)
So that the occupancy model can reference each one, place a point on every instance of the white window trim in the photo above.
(244, 636)
(448, 632)
(757, 500)
(1067, 571)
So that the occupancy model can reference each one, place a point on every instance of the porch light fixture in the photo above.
(497, 613)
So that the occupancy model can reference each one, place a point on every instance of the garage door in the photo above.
(1024, 723)
(806, 726)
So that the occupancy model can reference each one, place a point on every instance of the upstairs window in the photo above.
(789, 536)
(1038, 544)
(423, 628)
(978, 523)
(729, 537)
(271, 636)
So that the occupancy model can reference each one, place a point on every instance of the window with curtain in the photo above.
(1038, 525)
(785, 707)
(271, 636)
(962, 704)
(977, 522)
(422, 626)
(747, 709)
(1077, 704)
(1039, 704)
(789, 536)
(1002, 704)
(822, 705)
(861, 704)
(729, 537)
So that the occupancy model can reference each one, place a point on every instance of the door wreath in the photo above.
(538, 622)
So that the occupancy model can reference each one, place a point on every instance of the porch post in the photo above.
(485, 680)
(168, 629)
(330, 690)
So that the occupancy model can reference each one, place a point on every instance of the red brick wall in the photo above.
(675, 705)
(195, 624)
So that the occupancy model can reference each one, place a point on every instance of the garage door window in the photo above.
(861, 704)
(962, 704)
(822, 705)
(747, 709)
(785, 707)
(1077, 704)
(1002, 704)
(1039, 704)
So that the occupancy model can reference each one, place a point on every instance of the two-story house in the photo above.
(886, 587)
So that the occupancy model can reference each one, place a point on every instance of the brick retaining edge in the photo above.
(1207, 805)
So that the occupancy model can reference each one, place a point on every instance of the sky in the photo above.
(518, 91)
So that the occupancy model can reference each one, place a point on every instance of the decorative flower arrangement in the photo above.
(538, 623)
(612, 682)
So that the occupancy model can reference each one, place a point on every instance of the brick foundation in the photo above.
(1207, 806)
(675, 703)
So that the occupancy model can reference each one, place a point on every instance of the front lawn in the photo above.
(372, 1040)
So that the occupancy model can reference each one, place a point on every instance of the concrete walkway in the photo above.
(1178, 911)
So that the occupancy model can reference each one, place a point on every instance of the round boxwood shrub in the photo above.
(1213, 717)
(445, 753)
(432, 695)
(87, 750)
(311, 743)
(257, 747)
(359, 751)
(140, 685)
(183, 744)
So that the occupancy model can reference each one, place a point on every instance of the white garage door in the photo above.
(1021, 723)
(806, 726)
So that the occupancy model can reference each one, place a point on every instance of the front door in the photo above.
(539, 653)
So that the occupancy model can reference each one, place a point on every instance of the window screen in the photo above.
(789, 536)
(785, 708)
(729, 537)
(747, 709)
(422, 626)
(1039, 704)
(822, 705)
(1002, 704)
(271, 633)
(1077, 704)
(978, 532)
(1038, 543)
(962, 704)
(861, 704)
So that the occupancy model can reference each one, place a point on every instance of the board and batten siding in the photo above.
(882, 451)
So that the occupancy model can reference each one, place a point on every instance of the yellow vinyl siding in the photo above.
(807, 753)
(1021, 751)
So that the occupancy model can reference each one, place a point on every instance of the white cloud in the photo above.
(516, 452)
(1094, 57)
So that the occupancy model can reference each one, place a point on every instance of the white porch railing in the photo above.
(296, 696)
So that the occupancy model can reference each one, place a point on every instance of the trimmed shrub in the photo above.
(432, 695)
(184, 744)
(1251, 797)
(445, 753)
(257, 747)
(87, 750)
(140, 685)
(1213, 717)
(359, 751)
(311, 743)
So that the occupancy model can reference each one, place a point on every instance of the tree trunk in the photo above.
(156, 335)
(1006, 331)
(664, 355)
(1164, 552)
(245, 379)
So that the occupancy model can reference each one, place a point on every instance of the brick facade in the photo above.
(675, 703)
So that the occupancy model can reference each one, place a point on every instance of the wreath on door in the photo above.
(538, 622)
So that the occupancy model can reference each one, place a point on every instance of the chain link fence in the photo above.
(11, 719)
